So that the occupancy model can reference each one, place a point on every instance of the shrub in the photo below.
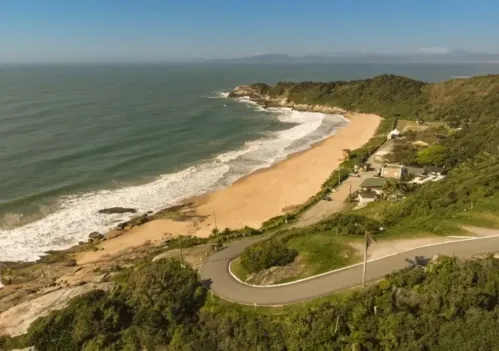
(267, 254)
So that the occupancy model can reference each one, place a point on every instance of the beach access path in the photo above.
(215, 272)
(326, 208)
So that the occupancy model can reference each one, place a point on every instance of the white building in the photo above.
(394, 134)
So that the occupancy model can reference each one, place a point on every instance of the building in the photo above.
(366, 196)
(394, 134)
(393, 171)
(380, 156)
(415, 171)
(374, 184)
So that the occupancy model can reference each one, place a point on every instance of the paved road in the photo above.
(215, 273)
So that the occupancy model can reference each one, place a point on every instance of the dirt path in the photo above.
(324, 209)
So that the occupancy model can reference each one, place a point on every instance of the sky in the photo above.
(165, 30)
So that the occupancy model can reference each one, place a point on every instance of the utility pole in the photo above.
(368, 240)
(286, 212)
(180, 251)
(215, 220)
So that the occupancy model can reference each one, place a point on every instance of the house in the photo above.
(374, 184)
(393, 171)
(366, 196)
(380, 156)
(415, 171)
(438, 171)
(394, 134)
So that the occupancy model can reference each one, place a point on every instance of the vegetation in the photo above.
(321, 247)
(151, 306)
(267, 254)
(162, 306)
(321, 252)
(459, 133)
(436, 308)
(458, 101)
(434, 155)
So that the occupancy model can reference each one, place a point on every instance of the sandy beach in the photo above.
(258, 196)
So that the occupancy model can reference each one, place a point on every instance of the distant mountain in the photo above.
(456, 56)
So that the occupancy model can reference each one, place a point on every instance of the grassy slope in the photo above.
(322, 252)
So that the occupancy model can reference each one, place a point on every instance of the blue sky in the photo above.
(153, 30)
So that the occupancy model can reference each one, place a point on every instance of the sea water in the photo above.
(77, 139)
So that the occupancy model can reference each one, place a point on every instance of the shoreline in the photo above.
(256, 197)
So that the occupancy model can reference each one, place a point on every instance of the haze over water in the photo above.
(76, 139)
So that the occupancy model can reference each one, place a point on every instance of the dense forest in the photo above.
(446, 305)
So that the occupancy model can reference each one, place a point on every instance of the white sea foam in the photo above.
(77, 215)
(251, 104)
(217, 95)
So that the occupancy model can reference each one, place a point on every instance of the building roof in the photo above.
(373, 183)
(393, 166)
(368, 194)
(415, 171)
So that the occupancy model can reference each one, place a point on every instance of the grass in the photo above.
(322, 252)
(238, 270)
(404, 125)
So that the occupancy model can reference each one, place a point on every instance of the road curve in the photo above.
(216, 276)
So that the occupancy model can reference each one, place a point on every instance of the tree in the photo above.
(434, 155)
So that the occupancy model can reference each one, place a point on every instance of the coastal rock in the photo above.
(113, 234)
(259, 93)
(112, 210)
(69, 262)
(254, 90)
(121, 226)
(16, 320)
(95, 236)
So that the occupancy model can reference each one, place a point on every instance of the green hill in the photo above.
(401, 97)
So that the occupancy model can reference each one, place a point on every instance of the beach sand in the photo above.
(258, 196)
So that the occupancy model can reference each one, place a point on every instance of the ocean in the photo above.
(75, 139)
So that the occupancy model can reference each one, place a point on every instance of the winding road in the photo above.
(216, 275)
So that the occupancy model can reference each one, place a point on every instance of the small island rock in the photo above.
(111, 210)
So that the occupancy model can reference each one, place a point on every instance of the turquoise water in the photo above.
(75, 139)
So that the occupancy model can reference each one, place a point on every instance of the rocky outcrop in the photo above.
(135, 221)
(112, 210)
(95, 236)
(258, 93)
(254, 90)
(17, 319)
